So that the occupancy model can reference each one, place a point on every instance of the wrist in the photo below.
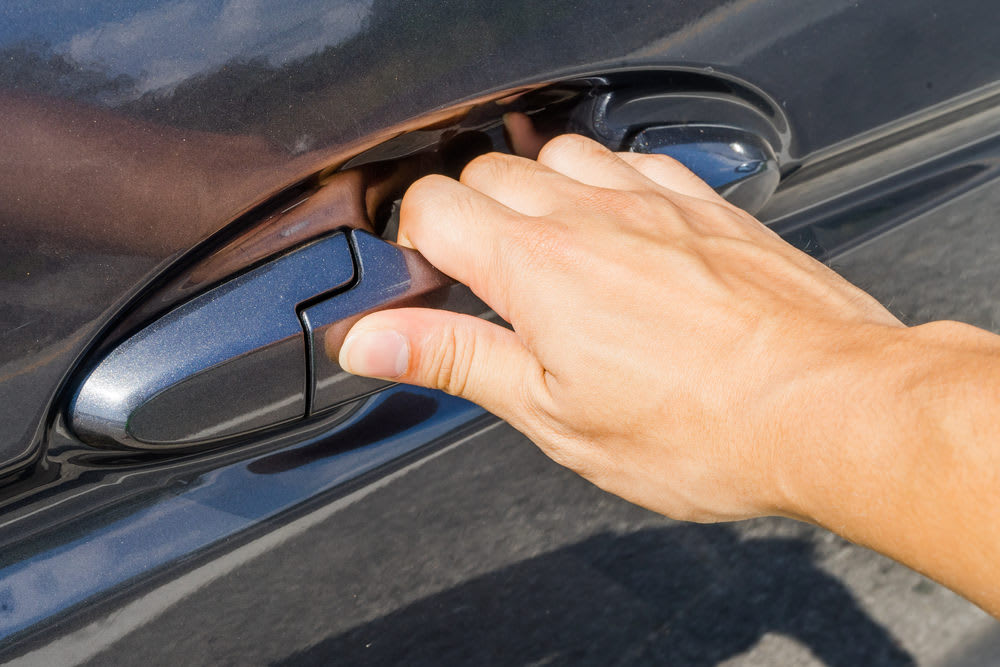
(850, 442)
(905, 451)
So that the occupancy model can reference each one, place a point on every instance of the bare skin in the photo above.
(672, 350)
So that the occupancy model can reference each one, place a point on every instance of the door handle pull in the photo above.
(252, 353)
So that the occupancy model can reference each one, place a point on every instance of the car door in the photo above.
(196, 195)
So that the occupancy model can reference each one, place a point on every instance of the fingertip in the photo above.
(460, 354)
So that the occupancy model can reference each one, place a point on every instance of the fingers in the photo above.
(516, 182)
(671, 174)
(460, 354)
(463, 233)
(590, 163)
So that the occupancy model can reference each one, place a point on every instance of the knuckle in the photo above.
(664, 166)
(641, 160)
(431, 201)
(723, 218)
(458, 208)
(422, 195)
(426, 188)
(664, 162)
(485, 167)
(565, 145)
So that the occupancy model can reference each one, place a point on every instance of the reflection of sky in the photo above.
(162, 43)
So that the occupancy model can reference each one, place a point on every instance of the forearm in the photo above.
(913, 472)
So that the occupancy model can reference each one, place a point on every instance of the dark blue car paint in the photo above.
(86, 533)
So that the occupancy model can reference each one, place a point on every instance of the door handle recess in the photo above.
(251, 353)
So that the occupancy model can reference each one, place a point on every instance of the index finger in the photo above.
(466, 235)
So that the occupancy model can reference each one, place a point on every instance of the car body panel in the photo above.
(293, 94)
(405, 528)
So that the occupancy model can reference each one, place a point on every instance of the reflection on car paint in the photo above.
(217, 504)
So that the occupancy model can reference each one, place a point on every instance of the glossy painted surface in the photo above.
(229, 362)
(151, 125)
(131, 134)
(740, 166)
(197, 504)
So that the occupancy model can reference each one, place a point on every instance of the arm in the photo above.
(674, 351)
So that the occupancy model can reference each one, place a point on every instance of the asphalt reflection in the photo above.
(681, 595)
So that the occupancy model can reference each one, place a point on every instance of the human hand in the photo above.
(665, 345)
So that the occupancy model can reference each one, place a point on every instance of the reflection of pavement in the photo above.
(520, 562)
(943, 265)
(678, 595)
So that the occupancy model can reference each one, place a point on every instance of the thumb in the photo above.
(460, 354)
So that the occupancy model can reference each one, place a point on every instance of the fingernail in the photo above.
(380, 354)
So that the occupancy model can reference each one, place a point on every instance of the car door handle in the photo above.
(387, 276)
(251, 353)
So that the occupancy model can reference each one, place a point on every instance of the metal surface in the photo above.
(227, 363)
(138, 137)
(158, 515)
(739, 165)
(140, 130)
